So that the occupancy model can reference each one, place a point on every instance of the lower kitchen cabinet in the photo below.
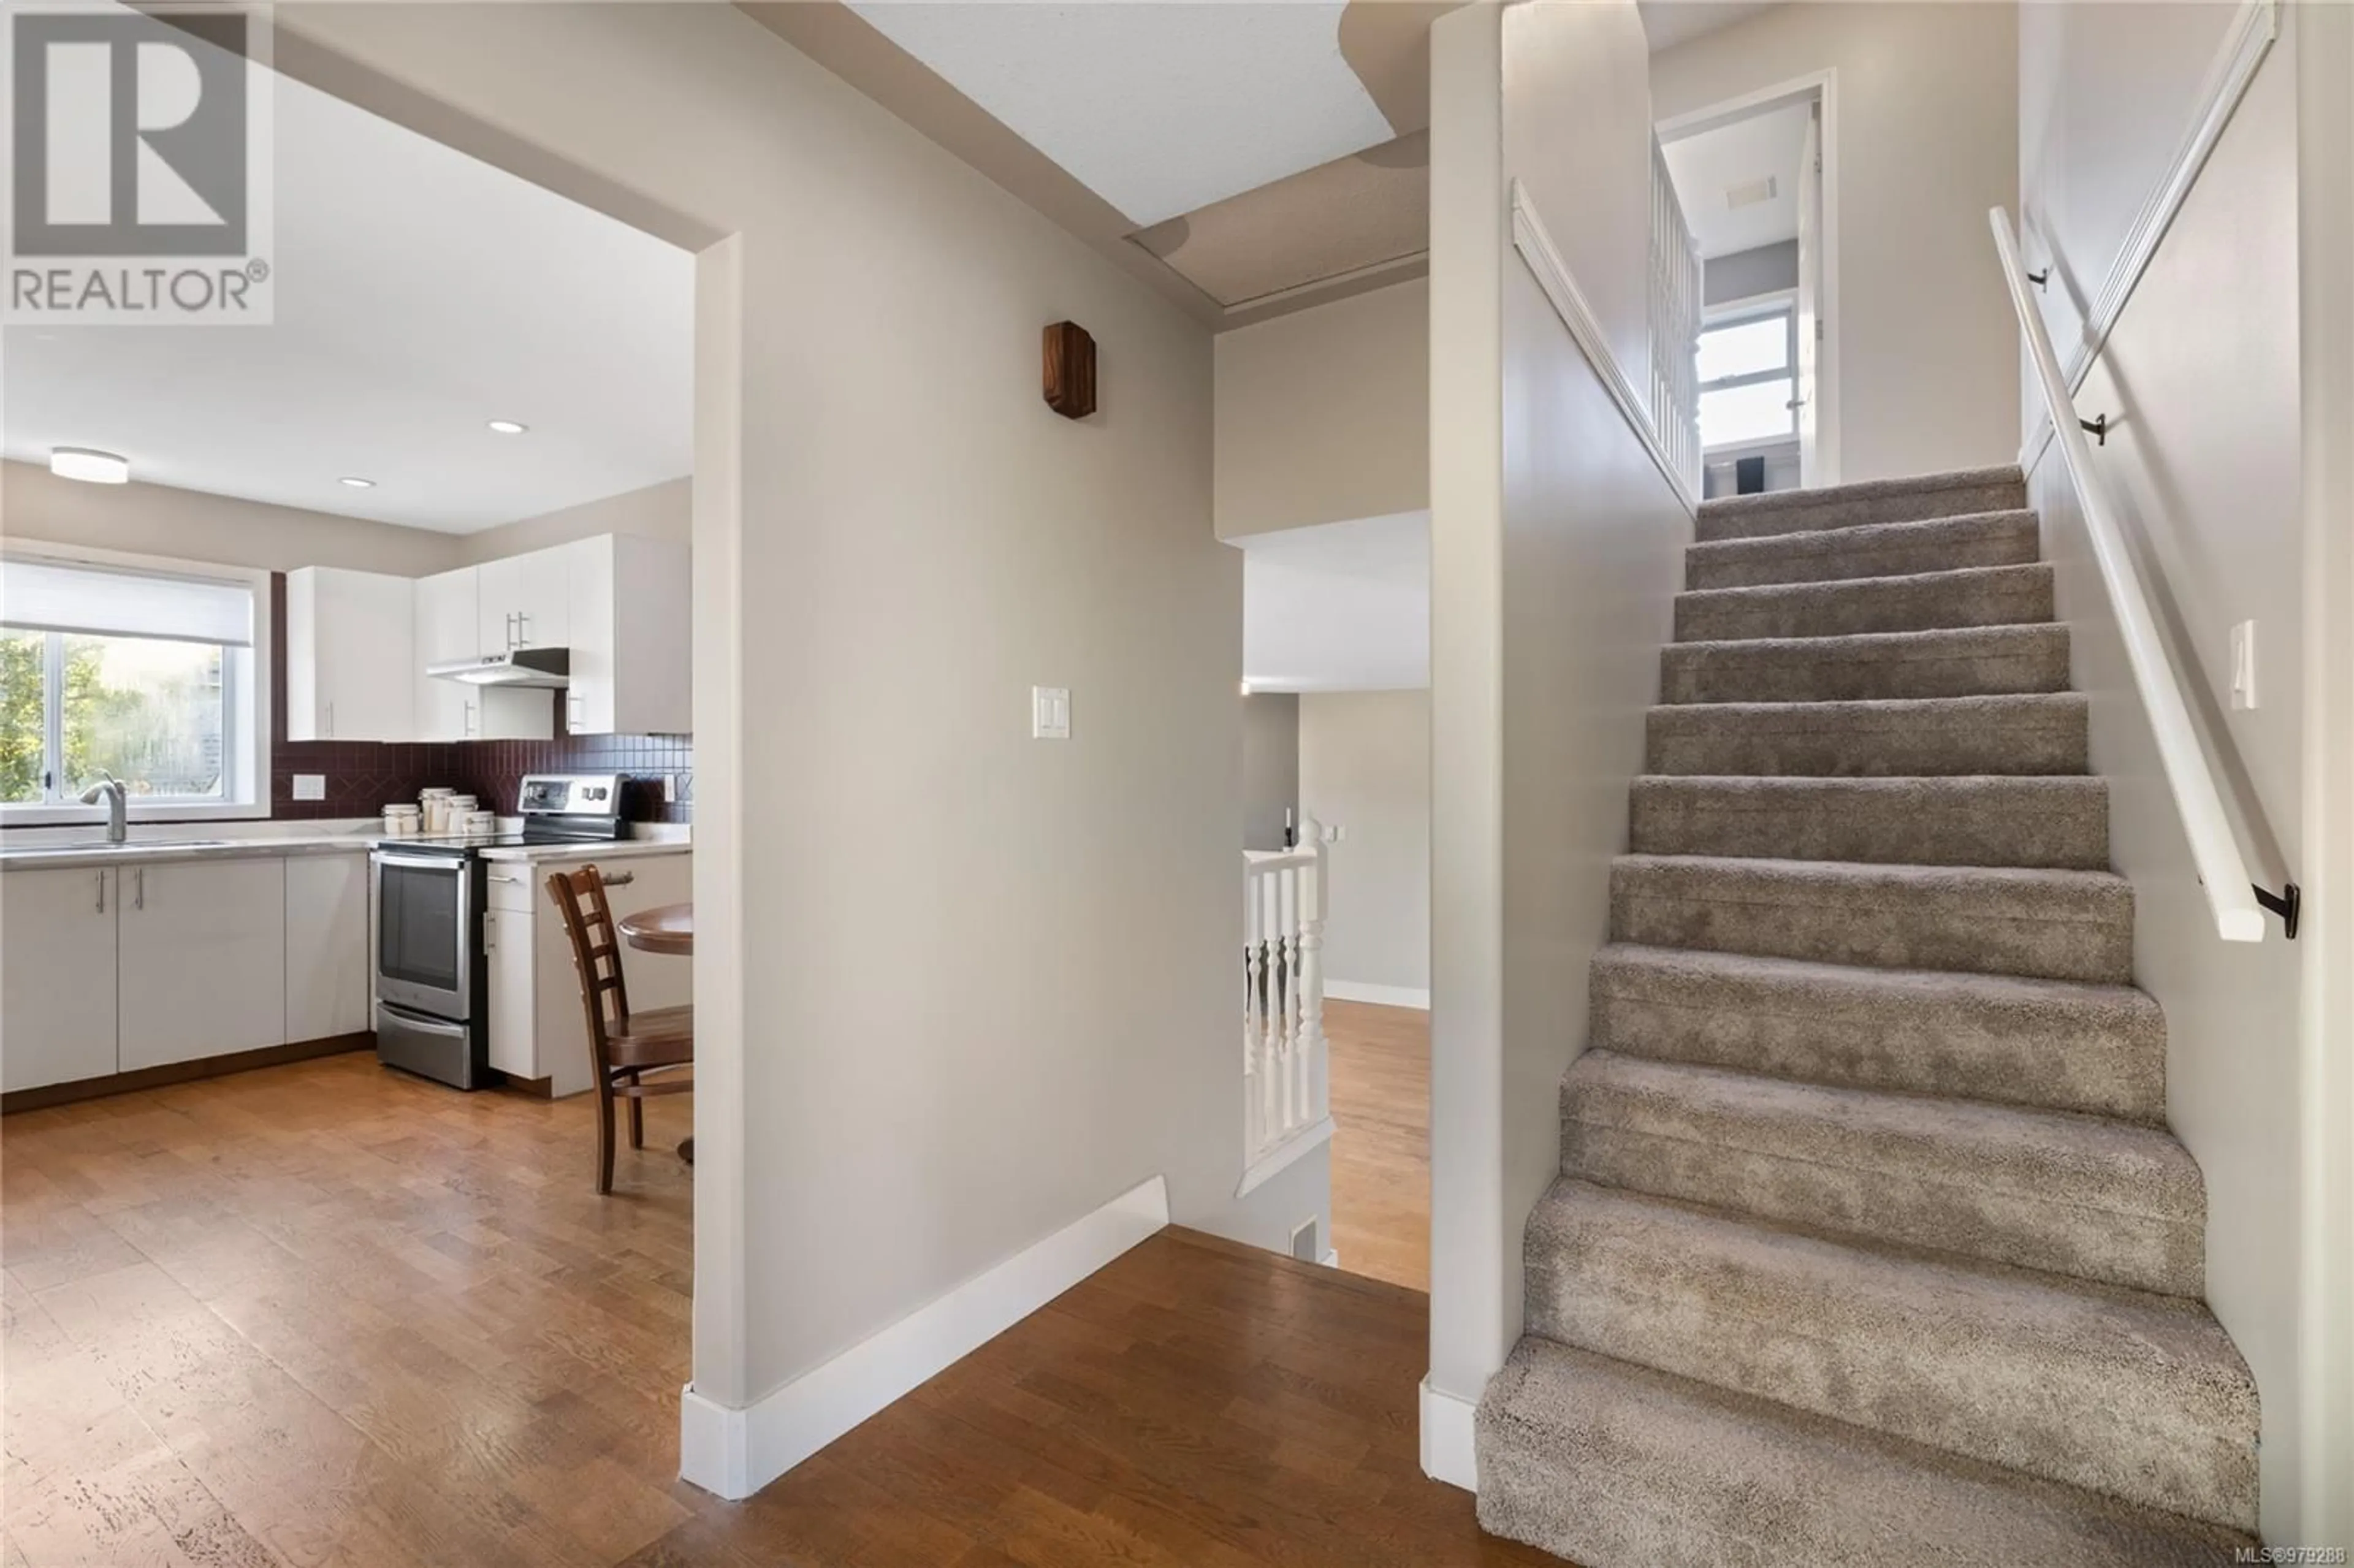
(539, 1027)
(56, 976)
(327, 949)
(202, 960)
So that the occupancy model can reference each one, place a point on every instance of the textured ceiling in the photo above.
(1707, 165)
(420, 294)
(1159, 108)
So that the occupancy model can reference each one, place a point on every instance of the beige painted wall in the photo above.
(1928, 140)
(1364, 765)
(2203, 383)
(665, 511)
(920, 540)
(1323, 416)
(1270, 767)
(1556, 549)
(191, 525)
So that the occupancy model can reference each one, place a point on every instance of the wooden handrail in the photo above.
(2238, 904)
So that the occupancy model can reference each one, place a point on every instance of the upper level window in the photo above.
(144, 673)
(1749, 378)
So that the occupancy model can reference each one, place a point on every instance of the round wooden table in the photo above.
(666, 929)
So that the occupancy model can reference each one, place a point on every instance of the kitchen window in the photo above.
(145, 670)
(1749, 378)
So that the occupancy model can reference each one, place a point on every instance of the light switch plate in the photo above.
(310, 786)
(1050, 713)
(2244, 665)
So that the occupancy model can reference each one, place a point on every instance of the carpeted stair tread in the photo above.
(1867, 501)
(1876, 550)
(2139, 1396)
(2054, 1044)
(1611, 1465)
(2057, 925)
(1979, 661)
(2074, 1195)
(1957, 819)
(2029, 732)
(1974, 596)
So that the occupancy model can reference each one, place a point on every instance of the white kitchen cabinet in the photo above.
(56, 976)
(201, 966)
(538, 1028)
(632, 632)
(525, 600)
(351, 655)
(328, 965)
(449, 625)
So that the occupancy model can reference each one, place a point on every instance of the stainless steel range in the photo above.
(432, 1006)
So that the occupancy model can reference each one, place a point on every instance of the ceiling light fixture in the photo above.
(509, 427)
(90, 465)
(357, 483)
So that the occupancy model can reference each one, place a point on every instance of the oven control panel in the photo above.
(570, 794)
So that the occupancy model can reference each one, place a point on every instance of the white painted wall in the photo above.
(1323, 414)
(1928, 140)
(2201, 379)
(191, 525)
(986, 984)
(1556, 550)
(2105, 95)
(665, 511)
(1364, 766)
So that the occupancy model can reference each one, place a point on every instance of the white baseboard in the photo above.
(1386, 995)
(735, 1453)
(1450, 1452)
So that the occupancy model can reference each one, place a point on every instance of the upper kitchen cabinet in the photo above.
(629, 621)
(525, 600)
(449, 625)
(351, 656)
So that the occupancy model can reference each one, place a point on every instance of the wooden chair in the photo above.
(623, 1046)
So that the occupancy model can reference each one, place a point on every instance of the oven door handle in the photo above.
(421, 863)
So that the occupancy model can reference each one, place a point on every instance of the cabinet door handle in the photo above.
(522, 629)
(140, 874)
(101, 893)
(496, 877)
(330, 721)
(622, 879)
(470, 716)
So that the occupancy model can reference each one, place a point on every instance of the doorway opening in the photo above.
(1756, 180)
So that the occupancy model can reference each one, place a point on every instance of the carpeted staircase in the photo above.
(1870, 1244)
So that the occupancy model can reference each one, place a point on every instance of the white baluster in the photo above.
(1313, 1068)
(1272, 1015)
(1252, 1129)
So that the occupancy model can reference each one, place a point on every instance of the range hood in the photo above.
(516, 667)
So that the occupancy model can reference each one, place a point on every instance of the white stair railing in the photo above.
(2236, 902)
(1285, 1073)
(1675, 312)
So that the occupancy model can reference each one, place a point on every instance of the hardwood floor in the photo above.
(1381, 1142)
(322, 1315)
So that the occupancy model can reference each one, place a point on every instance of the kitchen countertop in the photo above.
(36, 850)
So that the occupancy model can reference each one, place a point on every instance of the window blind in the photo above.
(51, 595)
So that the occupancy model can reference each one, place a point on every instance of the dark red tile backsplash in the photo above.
(363, 776)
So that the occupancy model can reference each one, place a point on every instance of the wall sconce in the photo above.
(1070, 357)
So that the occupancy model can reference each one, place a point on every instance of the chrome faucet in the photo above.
(110, 790)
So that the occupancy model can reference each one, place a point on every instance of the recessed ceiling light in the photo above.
(88, 465)
(508, 427)
(357, 483)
